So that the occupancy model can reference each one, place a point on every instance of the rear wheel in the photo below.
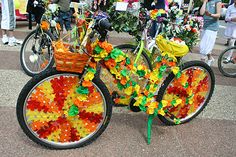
(227, 62)
(131, 51)
(188, 94)
(52, 112)
(36, 54)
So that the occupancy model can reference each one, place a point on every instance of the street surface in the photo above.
(211, 134)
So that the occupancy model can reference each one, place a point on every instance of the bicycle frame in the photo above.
(147, 45)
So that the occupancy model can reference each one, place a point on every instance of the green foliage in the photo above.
(197, 3)
(124, 21)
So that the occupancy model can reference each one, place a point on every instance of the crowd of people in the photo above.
(210, 11)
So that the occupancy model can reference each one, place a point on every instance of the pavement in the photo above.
(211, 134)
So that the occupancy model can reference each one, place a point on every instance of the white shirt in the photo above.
(231, 12)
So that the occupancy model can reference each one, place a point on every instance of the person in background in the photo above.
(8, 23)
(210, 10)
(36, 10)
(230, 3)
(230, 31)
(64, 13)
(156, 4)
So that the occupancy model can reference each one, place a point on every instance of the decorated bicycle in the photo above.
(36, 53)
(69, 107)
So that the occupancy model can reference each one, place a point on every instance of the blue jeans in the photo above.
(153, 29)
(65, 18)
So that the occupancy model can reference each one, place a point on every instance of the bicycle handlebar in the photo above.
(105, 24)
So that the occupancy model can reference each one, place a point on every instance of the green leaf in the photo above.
(141, 73)
(159, 58)
(162, 68)
(82, 90)
(92, 70)
(73, 111)
(120, 86)
(128, 61)
(98, 49)
(124, 72)
(173, 102)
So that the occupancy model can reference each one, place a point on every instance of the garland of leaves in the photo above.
(130, 23)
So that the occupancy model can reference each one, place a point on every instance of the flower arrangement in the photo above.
(174, 13)
(156, 14)
(186, 30)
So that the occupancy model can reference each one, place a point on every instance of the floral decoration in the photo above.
(62, 110)
(156, 13)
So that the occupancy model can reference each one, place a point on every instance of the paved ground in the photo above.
(211, 134)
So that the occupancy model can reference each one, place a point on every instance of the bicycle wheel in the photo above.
(192, 90)
(227, 62)
(53, 114)
(108, 79)
(36, 54)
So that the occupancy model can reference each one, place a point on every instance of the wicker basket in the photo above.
(66, 60)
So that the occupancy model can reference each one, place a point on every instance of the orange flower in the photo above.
(171, 64)
(93, 65)
(106, 46)
(110, 63)
(87, 83)
(78, 103)
(45, 25)
(123, 81)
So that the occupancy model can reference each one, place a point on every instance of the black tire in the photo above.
(178, 91)
(28, 65)
(25, 113)
(228, 67)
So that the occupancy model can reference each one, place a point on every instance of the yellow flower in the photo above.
(140, 67)
(119, 58)
(129, 90)
(82, 97)
(178, 101)
(161, 112)
(103, 54)
(152, 88)
(137, 88)
(138, 100)
(175, 70)
(113, 71)
(164, 103)
(89, 76)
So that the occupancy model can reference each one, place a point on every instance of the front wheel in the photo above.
(227, 62)
(36, 54)
(188, 94)
(52, 112)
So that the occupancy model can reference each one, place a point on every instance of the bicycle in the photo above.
(227, 62)
(36, 53)
(70, 107)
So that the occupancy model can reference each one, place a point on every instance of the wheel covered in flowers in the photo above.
(54, 110)
(188, 94)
